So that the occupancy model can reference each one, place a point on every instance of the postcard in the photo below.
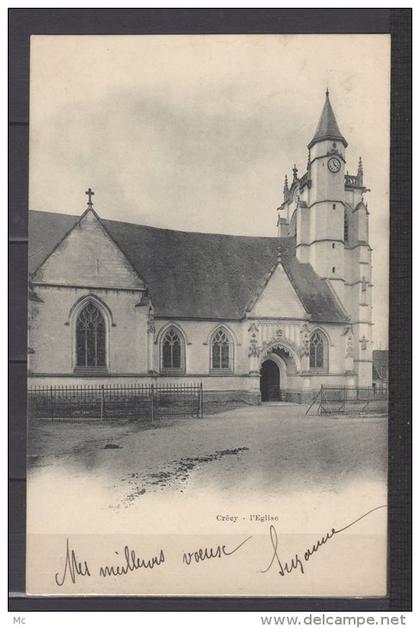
(207, 315)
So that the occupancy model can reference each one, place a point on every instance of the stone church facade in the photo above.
(249, 317)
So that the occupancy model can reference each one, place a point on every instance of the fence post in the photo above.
(153, 402)
(201, 401)
(102, 403)
(52, 403)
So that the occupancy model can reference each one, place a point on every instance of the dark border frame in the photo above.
(397, 22)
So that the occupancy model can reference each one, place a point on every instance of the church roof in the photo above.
(197, 275)
(327, 128)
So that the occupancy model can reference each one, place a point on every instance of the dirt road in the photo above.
(248, 449)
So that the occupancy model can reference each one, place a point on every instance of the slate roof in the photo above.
(197, 275)
(327, 128)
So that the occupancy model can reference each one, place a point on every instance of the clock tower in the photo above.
(325, 211)
(320, 227)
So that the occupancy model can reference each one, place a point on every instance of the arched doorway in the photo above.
(270, 381)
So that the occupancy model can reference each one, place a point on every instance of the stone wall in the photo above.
(52, 332)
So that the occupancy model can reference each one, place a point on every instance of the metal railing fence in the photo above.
(115, 401)
(349, 400)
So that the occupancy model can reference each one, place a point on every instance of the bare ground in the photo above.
(246, 448)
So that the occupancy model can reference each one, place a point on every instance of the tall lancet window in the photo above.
(221, 351)
(346, 226)
(172, 351)
(90, 337)
(318, 351)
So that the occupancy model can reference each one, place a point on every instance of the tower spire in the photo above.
(360, 171)
(327, 128)
(285, 188)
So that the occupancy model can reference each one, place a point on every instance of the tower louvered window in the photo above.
(90, 337)
(346, 227)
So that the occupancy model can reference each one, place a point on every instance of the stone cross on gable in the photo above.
(90, 193)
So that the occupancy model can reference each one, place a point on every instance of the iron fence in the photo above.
(134, 401)
(349, 400)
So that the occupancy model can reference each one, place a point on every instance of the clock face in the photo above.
(334, 164)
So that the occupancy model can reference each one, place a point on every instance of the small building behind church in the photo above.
(252, 318)
(380, 370)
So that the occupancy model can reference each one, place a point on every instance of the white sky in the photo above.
(197, 132)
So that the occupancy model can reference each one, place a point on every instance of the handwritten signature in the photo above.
(297, 561)
(73, 567)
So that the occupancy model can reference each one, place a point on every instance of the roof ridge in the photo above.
(210, 276)
(143, 226)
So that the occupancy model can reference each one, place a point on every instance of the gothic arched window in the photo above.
(318, 351)
(172, 350)
(346, 226)
(221, 350)
(90, 337)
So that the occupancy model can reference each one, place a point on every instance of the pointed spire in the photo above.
(285, 188)
(295, 172)
(360, 171)
(327, 128)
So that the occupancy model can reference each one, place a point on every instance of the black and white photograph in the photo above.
(208, 315)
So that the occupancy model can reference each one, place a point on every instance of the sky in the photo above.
(197, 132)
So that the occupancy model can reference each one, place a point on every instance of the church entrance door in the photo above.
(270, 381)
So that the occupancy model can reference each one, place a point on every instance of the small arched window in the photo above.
(318, 351)
(346, 226)
(172, 351)
(90, 337)
(221, 351)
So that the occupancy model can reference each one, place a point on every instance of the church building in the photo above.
(252, 318)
